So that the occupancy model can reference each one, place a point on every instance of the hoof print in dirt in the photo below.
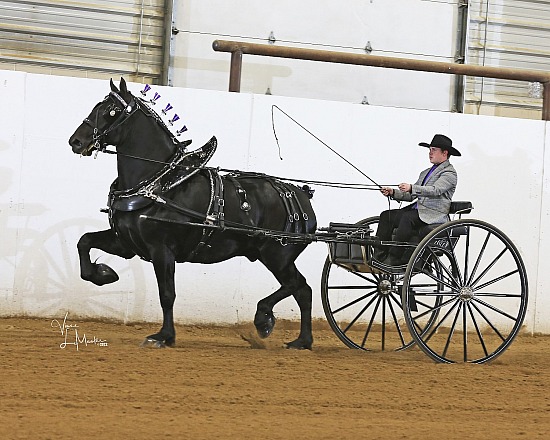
(254, 341)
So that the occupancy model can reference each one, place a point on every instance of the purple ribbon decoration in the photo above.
(174, 119)
(145, 89)
(167, 108)
(155, 98)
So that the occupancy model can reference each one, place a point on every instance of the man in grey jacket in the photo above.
(432, 191)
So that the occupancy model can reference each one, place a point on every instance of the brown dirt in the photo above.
(216, 385)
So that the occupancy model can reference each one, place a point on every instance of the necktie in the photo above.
(429, 174)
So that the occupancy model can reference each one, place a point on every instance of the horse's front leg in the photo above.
(106, 241)
(165, 265)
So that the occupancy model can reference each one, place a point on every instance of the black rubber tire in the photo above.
(364, 309)
(482, 288)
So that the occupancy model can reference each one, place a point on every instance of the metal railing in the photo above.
(237, 49)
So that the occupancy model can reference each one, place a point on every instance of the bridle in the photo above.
(99, 142)
(98, 139)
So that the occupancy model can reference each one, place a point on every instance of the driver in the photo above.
(432, 191)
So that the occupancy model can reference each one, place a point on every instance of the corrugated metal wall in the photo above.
(96, 38)
(507, 33)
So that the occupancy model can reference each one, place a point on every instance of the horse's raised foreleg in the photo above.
(292, 283)
(165, 265)
(106, 241)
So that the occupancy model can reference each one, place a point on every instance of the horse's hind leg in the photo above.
(292, 283)
(106, 241)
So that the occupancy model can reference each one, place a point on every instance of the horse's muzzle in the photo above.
(79, 148)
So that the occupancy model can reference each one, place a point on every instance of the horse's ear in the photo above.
(123, 88)
(113, 87)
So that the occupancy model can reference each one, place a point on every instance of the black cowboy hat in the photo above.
(443, 142)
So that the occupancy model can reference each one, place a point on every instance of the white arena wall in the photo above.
(49, 197)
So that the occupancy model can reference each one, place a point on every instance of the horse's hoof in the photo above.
(102, 274)
(265, 327)
(299, 345)
(152, 343)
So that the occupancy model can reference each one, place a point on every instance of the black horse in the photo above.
(166, 208)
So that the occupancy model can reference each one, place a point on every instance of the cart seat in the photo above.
(461, 208)
(457, 208)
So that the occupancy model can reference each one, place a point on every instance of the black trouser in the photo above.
(406, 223)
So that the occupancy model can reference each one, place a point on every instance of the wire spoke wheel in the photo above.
(468, 278)
(363, 307)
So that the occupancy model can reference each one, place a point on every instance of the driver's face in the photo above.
(437, 155)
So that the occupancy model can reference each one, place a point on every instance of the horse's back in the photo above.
(274, 204)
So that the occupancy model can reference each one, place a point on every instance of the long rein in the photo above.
(169, 166)
(129, 108)
(253, 174)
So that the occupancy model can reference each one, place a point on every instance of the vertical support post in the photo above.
(235, 71)
(460, 56)
(546, 101)
(168, 50)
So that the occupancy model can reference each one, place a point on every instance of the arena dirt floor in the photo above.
(217, 384)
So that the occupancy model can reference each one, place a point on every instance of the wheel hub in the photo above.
(466, 294)
(384, 287)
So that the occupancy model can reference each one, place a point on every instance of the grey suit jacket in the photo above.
(434, 197)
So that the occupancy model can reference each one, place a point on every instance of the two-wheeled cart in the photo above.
(462, 297)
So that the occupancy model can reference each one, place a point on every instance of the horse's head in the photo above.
(98, 129)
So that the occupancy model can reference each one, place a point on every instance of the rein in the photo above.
(344, 185)
(129, 108)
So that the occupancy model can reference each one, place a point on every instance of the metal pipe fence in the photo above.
(238, 49)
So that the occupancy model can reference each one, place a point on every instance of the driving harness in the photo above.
(182, 167)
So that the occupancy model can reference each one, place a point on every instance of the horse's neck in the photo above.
(144, 152)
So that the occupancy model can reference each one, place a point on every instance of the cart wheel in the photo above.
(364, 309)
(478, 276)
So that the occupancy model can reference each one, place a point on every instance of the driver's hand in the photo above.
(405, 187)
(386, 191)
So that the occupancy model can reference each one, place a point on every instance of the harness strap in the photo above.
(215, 211)
(282, 191)
(241, 193)
(129, 109)
(290, 195)
(219, 201)
(303, 214)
